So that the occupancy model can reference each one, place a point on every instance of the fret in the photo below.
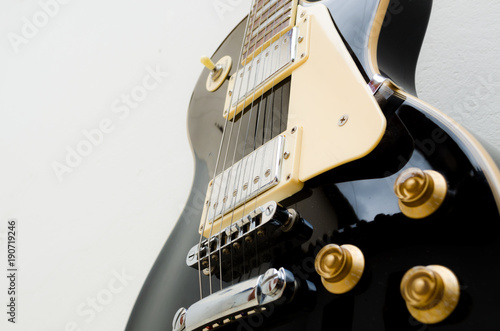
(271, 30)
(265, 34)
(263, 14)
(268, 7)
(258, 5)
(268, 20)
(276, 15)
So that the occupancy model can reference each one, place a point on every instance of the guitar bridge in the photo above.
(234, 248)
(275, 287)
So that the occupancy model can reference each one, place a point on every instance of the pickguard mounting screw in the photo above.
(343, 120)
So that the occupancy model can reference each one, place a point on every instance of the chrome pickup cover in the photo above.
(263, 72)
(264, 65)
(247, 178)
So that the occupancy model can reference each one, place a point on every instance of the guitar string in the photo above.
(255, 135)
(209, 240)
(265, 124)
(261, 105)
(240, 171)
(269, 123)
(205, 218)
(236, 145)
(230, 169)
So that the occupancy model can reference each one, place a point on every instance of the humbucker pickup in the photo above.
(270, 173)
(266, 70)
(248, 177)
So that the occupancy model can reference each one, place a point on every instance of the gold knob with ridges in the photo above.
(340, 267)
(431, 293)
(420, 192)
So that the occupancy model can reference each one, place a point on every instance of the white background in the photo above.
(113, 212)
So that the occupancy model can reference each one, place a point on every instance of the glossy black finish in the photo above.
(462, 235)
(400, 40)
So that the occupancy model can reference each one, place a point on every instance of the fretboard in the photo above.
(268, 20)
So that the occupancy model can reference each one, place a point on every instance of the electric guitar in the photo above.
(326, 196)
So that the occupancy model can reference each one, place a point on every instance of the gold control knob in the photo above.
(420, 192)
(431, 293)
(340, 267)
(218, 71)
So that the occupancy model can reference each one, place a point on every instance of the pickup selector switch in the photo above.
(340, 267)
(218, 71)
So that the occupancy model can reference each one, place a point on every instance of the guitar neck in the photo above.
(267, 21)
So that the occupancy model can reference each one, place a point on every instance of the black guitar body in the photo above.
(354, 204)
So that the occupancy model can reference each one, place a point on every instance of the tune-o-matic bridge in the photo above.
(265, 228)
